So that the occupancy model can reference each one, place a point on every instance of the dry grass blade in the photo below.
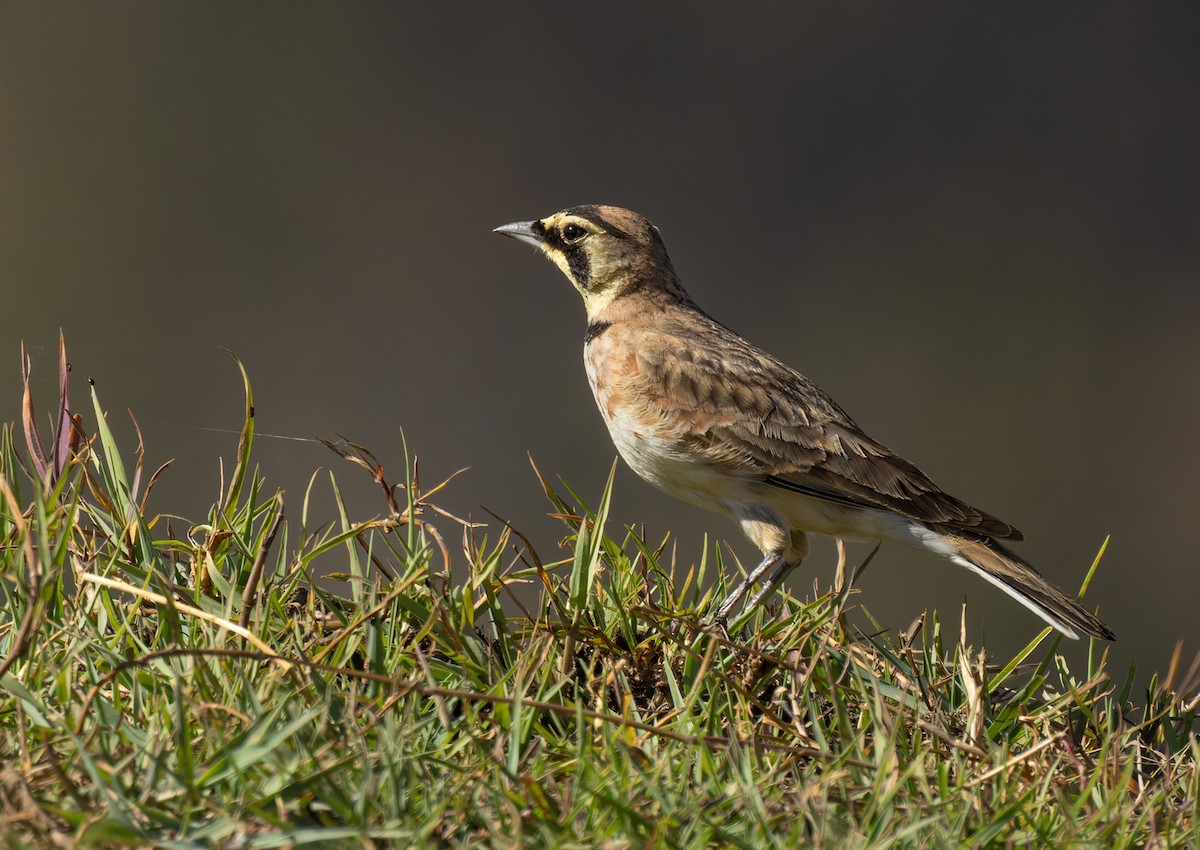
(157, 598)
(250, 592)
(23, 637)
(33, 440)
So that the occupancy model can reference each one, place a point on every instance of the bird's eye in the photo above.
(573, 233)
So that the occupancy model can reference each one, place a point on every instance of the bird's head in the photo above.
(605, 252)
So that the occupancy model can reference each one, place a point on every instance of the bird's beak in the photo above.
(526, 231)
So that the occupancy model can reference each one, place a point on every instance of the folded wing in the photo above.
(744, 410)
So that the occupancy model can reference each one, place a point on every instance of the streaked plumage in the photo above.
(701, 413)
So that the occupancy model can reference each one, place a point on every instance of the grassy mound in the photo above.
(193, 687)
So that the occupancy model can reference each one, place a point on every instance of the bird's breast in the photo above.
(650, 442)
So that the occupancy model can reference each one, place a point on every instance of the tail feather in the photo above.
(1002, 568)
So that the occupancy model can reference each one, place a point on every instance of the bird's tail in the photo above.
(1025, 584)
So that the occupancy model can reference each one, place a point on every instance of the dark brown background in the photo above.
(980, 230)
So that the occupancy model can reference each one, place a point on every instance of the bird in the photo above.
(706, 416)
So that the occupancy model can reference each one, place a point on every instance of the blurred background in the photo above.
(979, 229)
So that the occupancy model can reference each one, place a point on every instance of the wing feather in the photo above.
(744, 410)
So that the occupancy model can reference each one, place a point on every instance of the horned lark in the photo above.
(701, 413)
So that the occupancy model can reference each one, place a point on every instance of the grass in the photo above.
(191, 686)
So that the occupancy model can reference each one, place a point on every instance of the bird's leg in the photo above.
(770, 584)
(782, 557)
(774, 559)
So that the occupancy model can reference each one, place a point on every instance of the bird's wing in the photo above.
(734, 406)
